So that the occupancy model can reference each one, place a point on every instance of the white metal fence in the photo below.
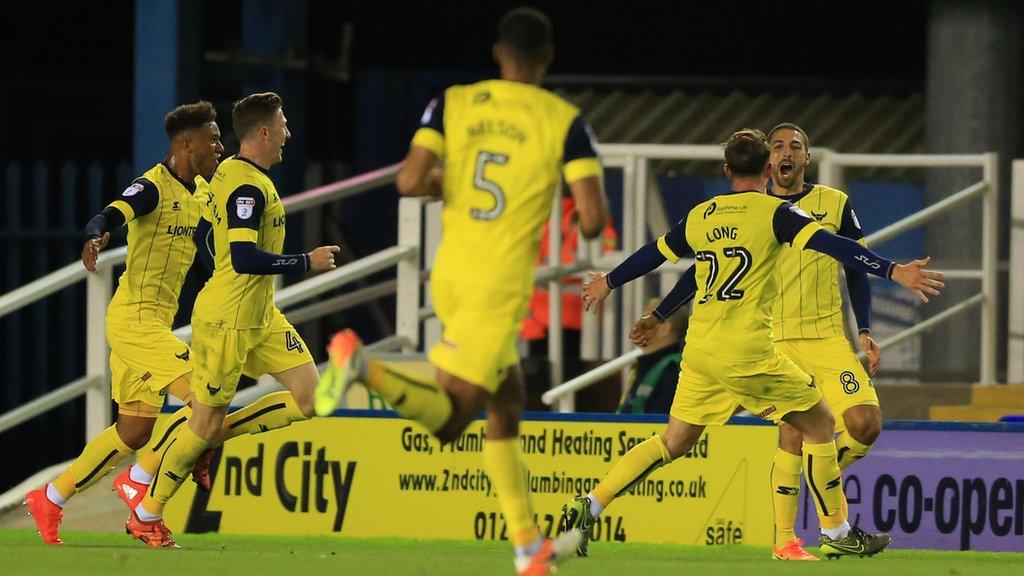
(95, 383)
(1015, 343)
(639, 190)
(419, 232)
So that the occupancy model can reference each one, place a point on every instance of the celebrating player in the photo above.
(505, 144)
(147, 362)
(736, 239)
(807, 327)
(236, 327)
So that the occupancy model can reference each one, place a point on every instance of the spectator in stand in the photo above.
(534, 328)
(652, 381)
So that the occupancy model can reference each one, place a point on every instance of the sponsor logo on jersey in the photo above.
(176, 207)
(710, 210)
(244, 207)
(181, 230)
(819, 217)
(769, 410)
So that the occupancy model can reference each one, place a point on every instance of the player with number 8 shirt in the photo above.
(730, 358)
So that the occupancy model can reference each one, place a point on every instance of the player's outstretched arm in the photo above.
(91, 250)
(599, 285)
(246, 258)
(679, 295)
(911, 276)
(137, 200)
(672, 246)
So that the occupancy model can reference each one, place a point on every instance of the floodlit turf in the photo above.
(105, 554)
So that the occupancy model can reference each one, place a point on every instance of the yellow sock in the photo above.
(850, 450)
(149, 459)
(98, 457)
(410, 394)
(824, 481)
(177, 462)
(785, 494)
(275, 410)
(502, 461)
(632, 468)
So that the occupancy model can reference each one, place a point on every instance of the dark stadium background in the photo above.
(67, 96)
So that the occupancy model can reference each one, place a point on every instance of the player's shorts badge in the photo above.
(244, 207)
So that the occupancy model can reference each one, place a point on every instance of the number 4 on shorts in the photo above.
(292, 342)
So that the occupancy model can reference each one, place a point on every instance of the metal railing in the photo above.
(94, 384)
(418, 236)
(635, 162)
(1015, 343)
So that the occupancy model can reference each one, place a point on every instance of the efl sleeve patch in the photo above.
(138, 199)
(134, 189)
(245, 207)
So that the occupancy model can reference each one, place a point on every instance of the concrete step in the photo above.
(1008, 395)
(972, 413)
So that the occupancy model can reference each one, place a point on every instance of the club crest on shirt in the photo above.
(133, 189)
(244, 207)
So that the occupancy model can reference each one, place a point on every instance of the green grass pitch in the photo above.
(107, 554)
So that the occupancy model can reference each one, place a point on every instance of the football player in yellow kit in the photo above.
(807, 327)
(737, 239)
(237, 329)
(505, 144)
(147, 361)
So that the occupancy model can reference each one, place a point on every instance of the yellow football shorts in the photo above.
(843, 381)
(145, 357)
(710, 388)
(222, 355)
(479, 331)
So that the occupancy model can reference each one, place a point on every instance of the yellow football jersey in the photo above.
(162, 214)
(811, 303)
(736, 239)
(244, 206)
(505, 146)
